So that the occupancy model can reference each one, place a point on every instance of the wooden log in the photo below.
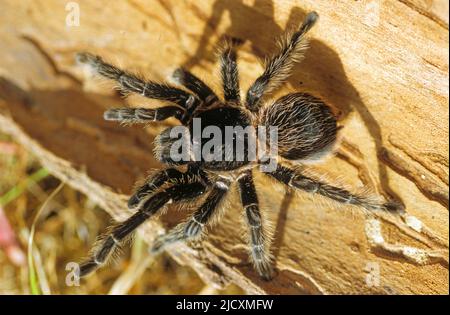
(381, 65)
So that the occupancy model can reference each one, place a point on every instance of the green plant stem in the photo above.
(17, 190)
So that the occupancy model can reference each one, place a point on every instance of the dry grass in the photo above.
(65, 228)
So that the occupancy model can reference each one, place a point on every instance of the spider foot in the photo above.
(85, 58)
(162, 241)
(264, 269)
(394, 206)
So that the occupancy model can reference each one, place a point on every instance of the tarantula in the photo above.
(307, 129)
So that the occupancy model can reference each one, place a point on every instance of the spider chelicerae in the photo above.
(306, 128)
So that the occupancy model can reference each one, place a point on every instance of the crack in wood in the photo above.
(429, 188)
(411, 254)
(49, 59)
(425, 13)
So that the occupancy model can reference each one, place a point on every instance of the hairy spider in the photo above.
(306, 126)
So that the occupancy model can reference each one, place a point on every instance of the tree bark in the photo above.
(381, 65)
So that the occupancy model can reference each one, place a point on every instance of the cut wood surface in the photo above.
(381, 65)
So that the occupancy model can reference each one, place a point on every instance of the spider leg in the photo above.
(194, 226)
(160, 178)
(257, 236)
(297, 180)
(152, 184)
(230, 74)
(194, 84)
(131, 83)
(143, 115)
(279, 67)
(121, 231)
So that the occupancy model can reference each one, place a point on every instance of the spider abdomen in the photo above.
(306, 126)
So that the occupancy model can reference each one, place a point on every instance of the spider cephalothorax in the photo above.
(306, 130)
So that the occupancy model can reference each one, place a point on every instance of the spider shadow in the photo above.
(321, 73)
(281, 223)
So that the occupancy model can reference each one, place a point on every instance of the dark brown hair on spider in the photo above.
(306, 131)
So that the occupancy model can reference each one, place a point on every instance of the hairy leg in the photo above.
(297, 180)
(155, 182)
(142, 115)
(193, 83)
(279, 67)
(152, 184)
(194, 226)
(230, 74)
(120, 232)
(257, 236)
(131, 83)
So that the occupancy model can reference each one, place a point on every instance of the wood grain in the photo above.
(381, 65)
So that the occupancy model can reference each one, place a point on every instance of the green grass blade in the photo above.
(18, 190)
(35, 288)
(32, 277)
